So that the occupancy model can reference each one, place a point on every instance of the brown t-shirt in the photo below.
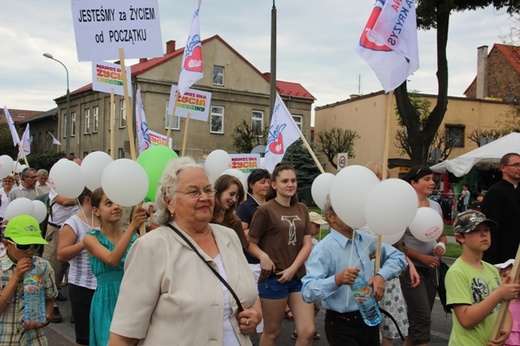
(280, 232)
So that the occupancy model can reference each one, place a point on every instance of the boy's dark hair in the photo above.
(417, 172)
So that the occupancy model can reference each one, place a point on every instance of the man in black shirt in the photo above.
(502, 204)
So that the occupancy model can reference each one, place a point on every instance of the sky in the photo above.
(316, 45)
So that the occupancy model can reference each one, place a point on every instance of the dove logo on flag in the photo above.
(193, 56)
(365, 40)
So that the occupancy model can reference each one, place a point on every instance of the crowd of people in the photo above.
(216, 267)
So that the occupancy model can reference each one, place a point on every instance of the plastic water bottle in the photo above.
(366, 303)
(34, 295)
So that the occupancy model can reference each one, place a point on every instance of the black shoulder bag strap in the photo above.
(224, 282)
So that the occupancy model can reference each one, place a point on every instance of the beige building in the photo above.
(366, 115)
(239, 92)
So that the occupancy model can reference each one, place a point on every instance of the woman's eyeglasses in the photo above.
(25, 248)
(196, 193)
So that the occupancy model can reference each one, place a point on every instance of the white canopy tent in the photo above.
(486, 154)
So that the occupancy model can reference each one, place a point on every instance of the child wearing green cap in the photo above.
(473, 288)
(22, 239)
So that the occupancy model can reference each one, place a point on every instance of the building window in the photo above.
(257, 123)
(65, 125)
(73, 124)
(298, 119)
(454, 136)
(87, 121)
(217, 120)
(120, 153)
(95, 120)
(218, 75)
(176, 121)
(122, 114)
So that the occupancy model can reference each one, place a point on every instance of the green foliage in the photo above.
(6, 142)
(246, 137)
(336, 141)
(45, 161)
(306, 170)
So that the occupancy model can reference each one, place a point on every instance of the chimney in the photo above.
(170, 46)
(482, 72)
(141, 60)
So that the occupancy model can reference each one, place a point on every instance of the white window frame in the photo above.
(73, 124)
(122, 114)
(298, 119)
(87, 120)
(95, 119)
(176, 125)
(65, 124)
(216, 112)
(218, 73)
(257, 120)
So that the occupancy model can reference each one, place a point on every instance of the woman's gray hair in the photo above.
(168, 186)
(327, 206)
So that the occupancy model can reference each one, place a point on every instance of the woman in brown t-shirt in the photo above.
(280, 237)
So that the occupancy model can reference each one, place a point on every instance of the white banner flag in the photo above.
(192, 68)
(10, 122)
(282, 133)
(141, 127)
(54, 140)
(389, 42)
(26, 142)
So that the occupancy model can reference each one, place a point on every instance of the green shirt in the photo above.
(468, 285)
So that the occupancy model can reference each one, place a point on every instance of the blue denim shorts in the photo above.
(272, 289)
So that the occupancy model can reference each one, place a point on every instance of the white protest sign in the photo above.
(245, 162)
(106, 76)
(193, 101)
(102, 27)
(158, 139)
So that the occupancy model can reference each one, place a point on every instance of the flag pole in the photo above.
(388, 111)
(312, 154)
(129, 117)
(185, 139)
(170, 122)
(112, 121)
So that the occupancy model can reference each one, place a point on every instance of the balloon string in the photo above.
(85, 216)
(362, 252)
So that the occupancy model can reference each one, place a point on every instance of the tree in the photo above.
(436, 14)
(336, 141)
(246, 137)
(306, 169)
(440, 143)
(6, 142)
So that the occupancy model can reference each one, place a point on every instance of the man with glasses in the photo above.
(502, 204)
(28, 187)
(22, 238)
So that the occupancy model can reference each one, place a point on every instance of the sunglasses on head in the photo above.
(25, 248)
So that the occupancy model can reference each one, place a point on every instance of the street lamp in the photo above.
(67, 115)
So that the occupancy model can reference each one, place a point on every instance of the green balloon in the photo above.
(154, 160)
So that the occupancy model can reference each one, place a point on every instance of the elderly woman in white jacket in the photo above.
(169, 296)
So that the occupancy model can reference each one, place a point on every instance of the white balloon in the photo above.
(427, 224)
(349, 191)
(391, 206)
(321, 188)
(216, 163)
(392, 238)
(19, 206)
(67, 178)
(237, 173)
(125, 182)
(92, 167)
(6, 166)
(40, 210)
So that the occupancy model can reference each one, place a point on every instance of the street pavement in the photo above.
(62, 334)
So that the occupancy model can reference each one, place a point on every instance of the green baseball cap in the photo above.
(468, 221)
(24, 230)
